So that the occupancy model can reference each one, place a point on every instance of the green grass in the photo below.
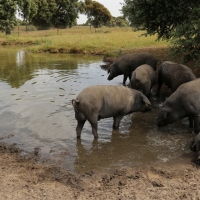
(105, 41)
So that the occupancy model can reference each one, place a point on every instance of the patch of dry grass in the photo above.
(103, 41)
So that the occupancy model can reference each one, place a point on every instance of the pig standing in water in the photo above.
(184, 102)
(143, 78)
(173, 75)
(128, 63)
(98, 102)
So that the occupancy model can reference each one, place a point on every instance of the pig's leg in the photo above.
(125, 78)
(196, 159)
(191, 120)
(196, 142)
(79, 128)
(117, 120)
(130, 76)
(93, 119)
(196, 124)
(160, 82)
(147, 91)
(94, 129)
(193, 146)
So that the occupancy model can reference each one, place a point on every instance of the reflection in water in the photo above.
(20, 58)
(119, 152)
(35, 106)
(17, 66)
(138, 141)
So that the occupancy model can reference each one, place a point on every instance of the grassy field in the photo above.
(104, 41)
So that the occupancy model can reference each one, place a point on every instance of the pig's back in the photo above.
(130, 62)
(111, 96)
(188, 95)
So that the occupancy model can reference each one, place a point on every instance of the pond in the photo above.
(36, 115)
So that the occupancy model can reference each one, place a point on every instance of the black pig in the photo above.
(173, 75)
(184, 102)
(128, 63)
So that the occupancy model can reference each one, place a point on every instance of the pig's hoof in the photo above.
(193, 145)
(96, 136)
(196, 159)
(78, 137)
(191, 126)
(115, 127)
(157, 94)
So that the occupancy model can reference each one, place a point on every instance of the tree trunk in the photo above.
(8, 32)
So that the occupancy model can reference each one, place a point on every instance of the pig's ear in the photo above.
(145, 100)
(108, 70)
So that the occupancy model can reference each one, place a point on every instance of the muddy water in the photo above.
(36, 115)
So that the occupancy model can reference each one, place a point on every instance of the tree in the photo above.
(43, 18)
(186, 38)
(7, 15)
(97, 14)
(117, 21)
(121, 21)
(111, 23)
(66, 13)
(176, 20)
(53, 13)
(27, 9)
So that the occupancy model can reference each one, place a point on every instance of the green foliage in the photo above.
(27, 9)
(31, 28)
(7, 15)
(121, 21)
(45, 14)
(118, 21)
(176, 20)
(21, 23)
(97, 14)
(42, 19)
(66, 13)
(186, 37)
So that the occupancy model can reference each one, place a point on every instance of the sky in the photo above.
(113, 6)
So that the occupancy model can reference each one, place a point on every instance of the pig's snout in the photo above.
(160, 123)
(109, 78)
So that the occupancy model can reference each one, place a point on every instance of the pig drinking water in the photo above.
(128, 63)
(143, 78)
(184, 102)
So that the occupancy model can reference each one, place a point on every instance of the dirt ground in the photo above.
(24, 179)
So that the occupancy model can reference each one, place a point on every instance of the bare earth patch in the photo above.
(23, 179)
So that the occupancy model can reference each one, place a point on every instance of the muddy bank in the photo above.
(24, 179)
